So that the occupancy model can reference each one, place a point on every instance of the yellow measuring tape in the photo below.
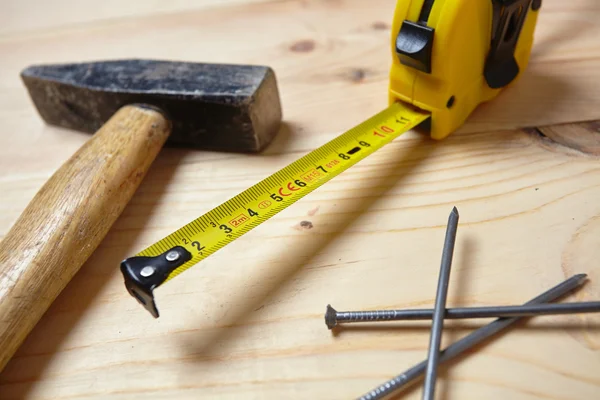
(220, 226)
(479, 49)
(240, 214)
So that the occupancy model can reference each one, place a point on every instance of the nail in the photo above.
(333, 317)
(437, 325)
(471, 340)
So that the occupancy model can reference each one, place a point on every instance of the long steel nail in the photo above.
(435, 338)
(333, 317)
(471, 340)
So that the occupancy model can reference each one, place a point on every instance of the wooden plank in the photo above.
(251, 317)
(248, 322)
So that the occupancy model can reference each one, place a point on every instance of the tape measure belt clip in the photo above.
(501, 67)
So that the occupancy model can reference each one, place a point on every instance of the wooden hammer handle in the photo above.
(68, 218)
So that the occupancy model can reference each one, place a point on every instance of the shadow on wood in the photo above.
(524, 96)
(408, 158)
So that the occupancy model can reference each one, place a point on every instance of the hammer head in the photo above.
(211, 106)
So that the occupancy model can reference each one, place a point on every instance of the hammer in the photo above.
(135, 107)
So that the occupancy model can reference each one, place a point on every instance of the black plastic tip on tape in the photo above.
(143, 274)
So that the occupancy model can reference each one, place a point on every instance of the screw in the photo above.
(172, 256)
(147, 271)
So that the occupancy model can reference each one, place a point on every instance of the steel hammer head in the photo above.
(211, 106)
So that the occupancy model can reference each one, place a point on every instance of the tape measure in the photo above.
(479, 49)
(210, 232)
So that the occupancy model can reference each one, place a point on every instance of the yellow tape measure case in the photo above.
(448, 56)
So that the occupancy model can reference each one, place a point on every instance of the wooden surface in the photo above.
(248, 322)
(70, 216)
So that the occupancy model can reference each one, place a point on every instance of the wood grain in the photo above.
(70, 215)
(248, 322)
(582, 137)
(18, 16)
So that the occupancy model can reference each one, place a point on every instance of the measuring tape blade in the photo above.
(210, 232)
